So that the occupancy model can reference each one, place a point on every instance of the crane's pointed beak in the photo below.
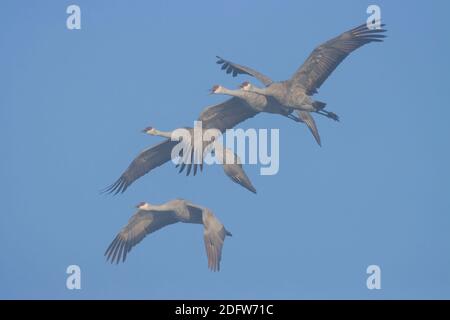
(138, 206)
(146, 130)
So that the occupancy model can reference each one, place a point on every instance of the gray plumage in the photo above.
(233, 170)
(297, 91)
(226, 115)
(150, 218)
(221, 116)
(261, 103)
(155, 156)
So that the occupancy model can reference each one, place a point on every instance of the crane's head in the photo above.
(143, 206)
(246, 85)
(149, 130)
(216, 89)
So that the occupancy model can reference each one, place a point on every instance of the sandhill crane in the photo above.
(150, 218)
(297, 91)
(161, 153)
(262, 103)
(221, 116)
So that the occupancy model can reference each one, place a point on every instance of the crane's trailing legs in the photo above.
(328, 114)
(325, 113)
(292, 117)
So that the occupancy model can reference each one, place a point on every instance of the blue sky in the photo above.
(72, 105)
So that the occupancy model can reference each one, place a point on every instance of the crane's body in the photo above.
(265, 103)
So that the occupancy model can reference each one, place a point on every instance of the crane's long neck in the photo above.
(234, 93)
(165, 134)
(262, 91)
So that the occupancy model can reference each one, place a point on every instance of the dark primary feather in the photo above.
(239, 69)
(326, 57)
(146, 161)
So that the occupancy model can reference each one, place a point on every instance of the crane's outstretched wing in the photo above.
(237, 174)
(214, 235)
(238, 69)
(307, 118)
(226, 115)
(140, 224)
(326, 57)
(146, 161)
(234, 170)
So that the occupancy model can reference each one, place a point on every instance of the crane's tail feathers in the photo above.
(228, 233)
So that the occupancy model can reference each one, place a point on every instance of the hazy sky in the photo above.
(72, 105)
